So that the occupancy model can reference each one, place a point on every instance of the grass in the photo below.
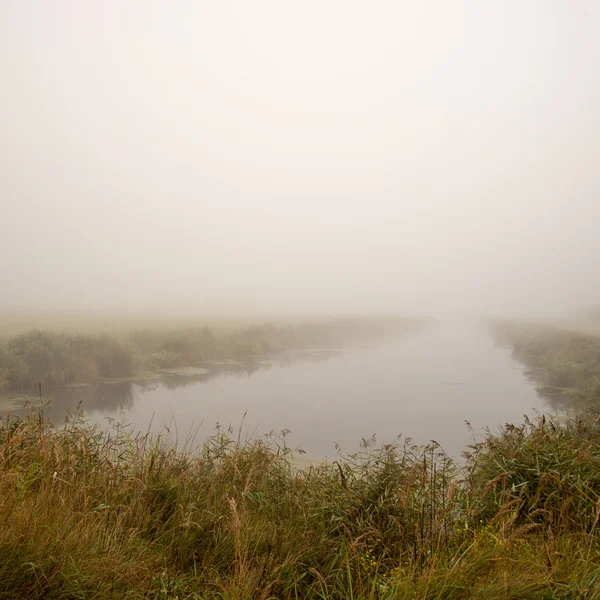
(87, 513)
(564, 360)
(63, 357)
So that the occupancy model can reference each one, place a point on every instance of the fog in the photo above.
(290, 157)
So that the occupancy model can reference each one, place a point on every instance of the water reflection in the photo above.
(105, 397)
(108, 398)
(242, 371)
(559, 401)
(424, 386)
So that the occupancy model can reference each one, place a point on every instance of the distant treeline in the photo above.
(56, 358)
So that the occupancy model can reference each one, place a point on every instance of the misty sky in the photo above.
(318, 156)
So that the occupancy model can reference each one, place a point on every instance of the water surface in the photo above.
(425, 386)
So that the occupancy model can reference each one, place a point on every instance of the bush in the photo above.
(185, 347)
(59, 358)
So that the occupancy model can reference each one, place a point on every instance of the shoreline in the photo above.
(17, 399)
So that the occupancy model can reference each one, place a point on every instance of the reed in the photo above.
(91, 513)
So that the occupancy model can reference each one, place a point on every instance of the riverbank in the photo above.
(106, 515)
(563, 358)
(57, 358)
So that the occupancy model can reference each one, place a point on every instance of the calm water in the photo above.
(423, 386)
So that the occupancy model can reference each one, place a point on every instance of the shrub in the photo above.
(58, 358)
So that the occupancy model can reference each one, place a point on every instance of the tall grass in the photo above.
(87, 513)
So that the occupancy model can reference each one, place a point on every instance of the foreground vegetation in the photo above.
(58, 358)
(90, 513)
(565, 361)
(87, 514)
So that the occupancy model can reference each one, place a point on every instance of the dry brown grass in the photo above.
(86, 514)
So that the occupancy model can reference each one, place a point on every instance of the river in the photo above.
(424, 386)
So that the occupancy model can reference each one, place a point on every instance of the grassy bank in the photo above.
(59, 357)
(565, 360)
(87, 514)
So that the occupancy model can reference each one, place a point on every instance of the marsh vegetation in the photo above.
(563, 358)
(57, 358)
(91, 514)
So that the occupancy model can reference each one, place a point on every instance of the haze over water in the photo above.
(423, 386)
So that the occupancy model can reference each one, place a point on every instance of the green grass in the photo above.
(91, 514)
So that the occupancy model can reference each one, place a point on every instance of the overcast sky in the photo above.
(270, 156)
